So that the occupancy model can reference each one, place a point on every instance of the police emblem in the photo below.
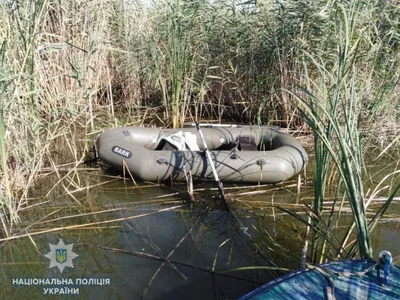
(61, 255)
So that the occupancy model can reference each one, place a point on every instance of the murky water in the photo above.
(131, 251)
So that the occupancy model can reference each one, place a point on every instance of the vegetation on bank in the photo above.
(70, 69)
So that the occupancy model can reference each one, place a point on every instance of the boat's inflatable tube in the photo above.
(277, 156)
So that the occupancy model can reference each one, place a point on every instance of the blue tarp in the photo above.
(312, 284)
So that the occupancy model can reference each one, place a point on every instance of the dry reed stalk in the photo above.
(84, 228)
(168, 256)
(88, 224)
(51, 170)
(305, 247)
(242, 202)
(157, 250)
(273, 211)
(149, 201)
(125, 167)
(95, 213)
(275, 186)
(34, 205)
(124, 188)
(65, 176)
(22, 263)
(216, 254)
(189, 184)
(298, 189)
(162, 259)
(248, 193)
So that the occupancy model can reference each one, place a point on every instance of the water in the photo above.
(196, 241)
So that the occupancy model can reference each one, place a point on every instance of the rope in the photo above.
(384, 262)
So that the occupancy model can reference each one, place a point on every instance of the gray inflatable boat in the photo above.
(240, 154)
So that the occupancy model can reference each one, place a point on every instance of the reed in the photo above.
(5, 191)
(332, 104)
(47, 78)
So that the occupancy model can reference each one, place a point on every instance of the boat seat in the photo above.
(246, 143)
(178, 141)
(165, 145)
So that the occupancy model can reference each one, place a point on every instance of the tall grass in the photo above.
(333, 104)
(5, 190)
(214, 60)
(51, 65)
(221, 60)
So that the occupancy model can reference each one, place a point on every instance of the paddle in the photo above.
(217, 181)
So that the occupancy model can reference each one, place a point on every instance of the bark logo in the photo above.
(122, 152)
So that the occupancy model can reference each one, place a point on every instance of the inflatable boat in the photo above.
(239, 154)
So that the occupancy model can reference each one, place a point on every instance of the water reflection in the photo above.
(186, 236)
